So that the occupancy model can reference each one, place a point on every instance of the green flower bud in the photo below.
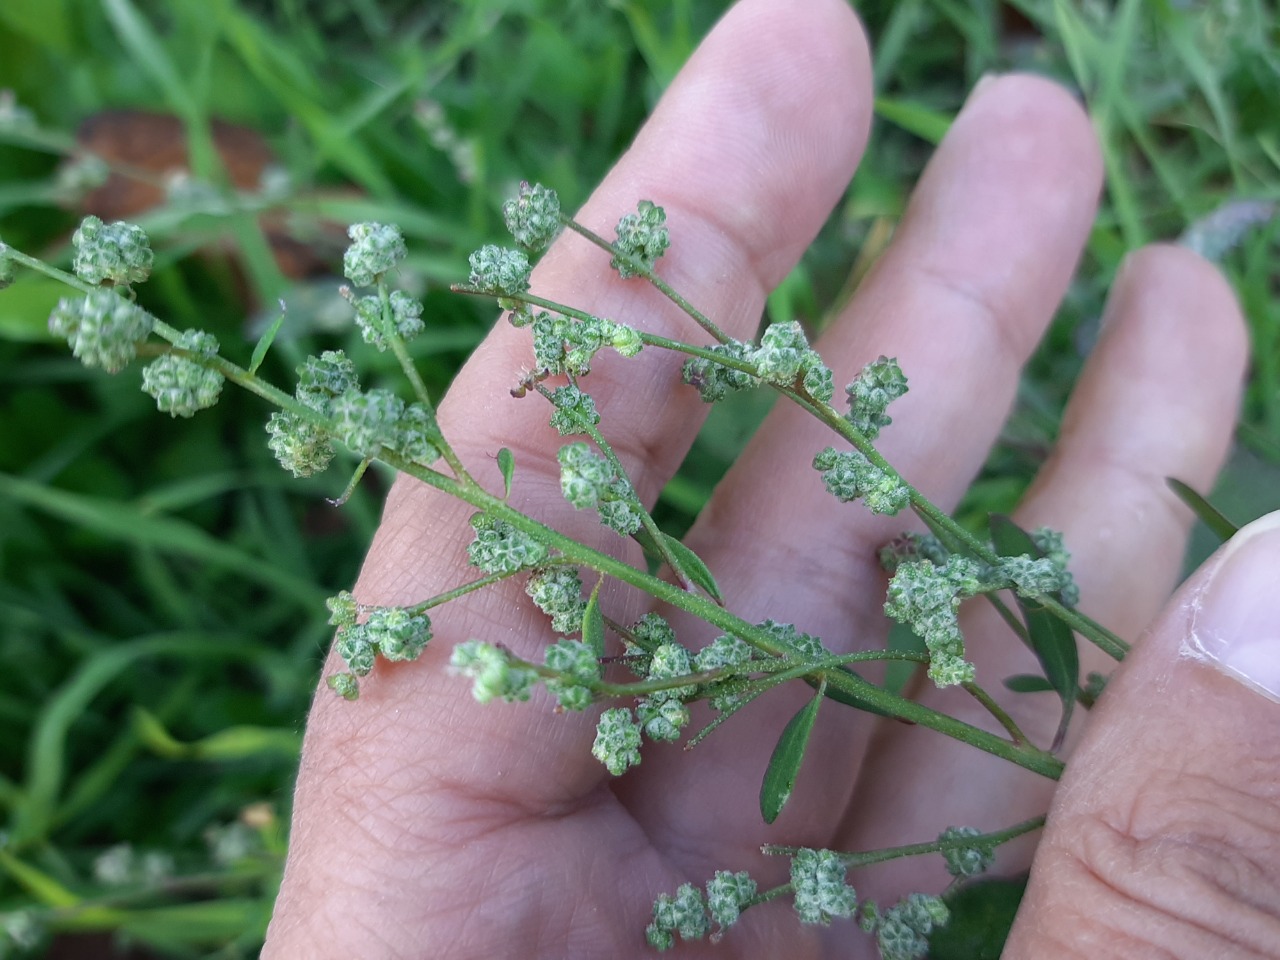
(405, 319)
(343, 609)
(322, 378)
(179, 385)
(714, 381)
(499, 270)
(366, 422)
(492, 673)
(617, 743)
(533, 217)
(574, 410)
(357, 650)
(397, 633)
(557, 592)
(375, 249)
(727, 893)
(784, 349)
(301, 446)
(818, 879)
(879, 384)
(643, 237)
(344, 685)
(849, 475)
(499, 547)
(967, 861)
(119, 252)
(102, 328)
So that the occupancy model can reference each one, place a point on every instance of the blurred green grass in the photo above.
(160, 582)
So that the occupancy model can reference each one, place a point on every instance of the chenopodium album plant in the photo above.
(931, 573)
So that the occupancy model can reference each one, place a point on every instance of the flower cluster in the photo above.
(1050, 543)
(564, 345)
(375, 249)
(494, 673)
(849, 475)
(179, 385)
(642, 239)
(533, 216)
(500, 270)
(394, 633)
(302, 446)
(878, 384)
(403, 316)
(575, 662)
(912, 546)
(690, 915)
(617, 743)
(783, 358)
(902, 931)
(969, 860)
(818, 883)
(499, 547)
(926, 597)
(663, 713)
(557, 592)
(575, 410)
(725, 651)
(588, 480)
(119, 252)
(102, 328)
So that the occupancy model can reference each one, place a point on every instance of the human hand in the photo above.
(428, 825)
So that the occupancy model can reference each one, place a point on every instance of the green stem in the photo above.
(442, 598)
(868, 857)
(842, 681)
(647, 272)
(1001, 715)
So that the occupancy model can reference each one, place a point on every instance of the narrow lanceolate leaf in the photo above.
(264, 342)
(784, 765)
(1027, 683)
(1209, 515)
(691, 565)
(1052, 641)
(593, 623)
(507, 464)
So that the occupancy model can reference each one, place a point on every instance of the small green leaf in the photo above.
(691, 564)
(1209, 515)
(507, 464)
(1052, 641)
(784, 765)
(924, 122)
(264, 342)
(593, 623)
(981, 914)
(1027, 683)
(693, 567)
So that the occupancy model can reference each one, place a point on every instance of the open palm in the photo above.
(427, 825)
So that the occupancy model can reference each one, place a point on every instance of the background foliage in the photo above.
(161, 582)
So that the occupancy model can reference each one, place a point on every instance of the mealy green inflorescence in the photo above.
(562, 345)
(375, 250)
(643, 237)
(493, 672)
(966, 861)
(180, 385)
(393, 633)
(617, 743)
(1050, 543)
(117, 252)
(850, 475)
(501, 271)
(499, 547)
(926, 597)
(902, 931)
(405, 318)
(575, 410)
(557, 592)
(588, 480)
(783, 358)
(575, 662)
(714, 381)
(870, 393)
(533, 216)
(102, 328)
(689, 914)
(818, 883)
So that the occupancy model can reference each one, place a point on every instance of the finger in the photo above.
(748, 149)
(1164, 838)
(984, 253)
(1158, 398)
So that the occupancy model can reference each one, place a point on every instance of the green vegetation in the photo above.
(162, 582)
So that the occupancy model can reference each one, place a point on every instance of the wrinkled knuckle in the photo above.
(1188, 869)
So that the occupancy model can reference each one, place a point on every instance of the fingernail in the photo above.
(1235, 624)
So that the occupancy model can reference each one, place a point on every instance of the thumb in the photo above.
(1164, 837)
